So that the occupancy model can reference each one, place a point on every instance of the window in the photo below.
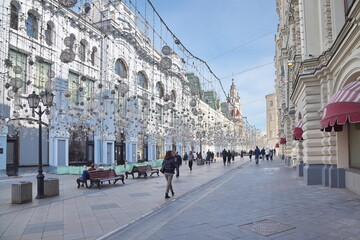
(142, 80)
(271, 117)
(20, 60)
(159, 90)
(73, 86)
(93, 56)
(120, 68)
(141, 109)
(82, 51)
(173, 96)
(14, 17)
(271, 103)
(160, 148)
(41, 76)
(120, 102)
(31, 25)
(49, 33)
(173, 117)
(159, 114)
(89, 89)
(354, 140)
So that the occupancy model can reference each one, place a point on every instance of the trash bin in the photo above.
(21, 192)
(51, 187)
(200, 162)
(12, 169)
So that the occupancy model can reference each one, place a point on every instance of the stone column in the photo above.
(298, 157)
(312, 137)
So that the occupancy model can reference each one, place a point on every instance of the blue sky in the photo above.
(209, 28)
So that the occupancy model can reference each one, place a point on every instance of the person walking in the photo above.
(169, 170)
(208, 157)
(251, 153)
(224, 154)
(267, 153)
(263, 153)
(242, 154)
(178, 163)
(233, 155)
(186, 157)
(229, 157)
(257, 153)
(191, 160)
(271, 154)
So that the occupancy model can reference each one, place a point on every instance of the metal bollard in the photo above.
(51, 187)
(21, 192)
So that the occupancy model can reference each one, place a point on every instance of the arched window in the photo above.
(120, 68)
(82, 50)
(31, 25)
(49, 33)
(159, 90)
(173, 96)
(87, 8)
(14, 17)
(93, 56)
(142, 80)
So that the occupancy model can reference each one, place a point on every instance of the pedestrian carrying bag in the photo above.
(162, 169)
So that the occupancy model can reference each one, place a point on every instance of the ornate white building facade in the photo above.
(116, 100)
(317, 67)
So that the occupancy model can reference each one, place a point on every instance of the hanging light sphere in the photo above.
(51, 74)
(93, 95)
(40, 59)
(166, 97)
(165, 63)
(8, 63)
(69, 42)
(16, 115)
(68, 3)
(17, 69)
(195, 91)
(67, 94)
(193, 102)
(94, 105)
(67, 56)
(123, 88)
(16, 82)
(166, 50)
(195, 112)
(50, 86)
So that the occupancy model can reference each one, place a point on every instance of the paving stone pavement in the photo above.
(270, 194)
(91, 213)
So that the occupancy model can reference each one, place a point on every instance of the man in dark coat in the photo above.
(263, 153)
(251, 153)
(257, 154)
(178, 163)
(229, 157)
(224, 154)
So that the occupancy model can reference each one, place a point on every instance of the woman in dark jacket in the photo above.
(169, 171)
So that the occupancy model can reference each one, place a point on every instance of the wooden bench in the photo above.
(144, 170)
(100, 176)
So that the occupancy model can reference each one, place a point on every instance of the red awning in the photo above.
(297, 133)
(343, 107)
(283, 140)
(277, 145)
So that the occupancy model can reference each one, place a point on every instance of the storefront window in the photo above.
(160, 148)
(354, 145)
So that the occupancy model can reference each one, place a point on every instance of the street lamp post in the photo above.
(34, 100)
